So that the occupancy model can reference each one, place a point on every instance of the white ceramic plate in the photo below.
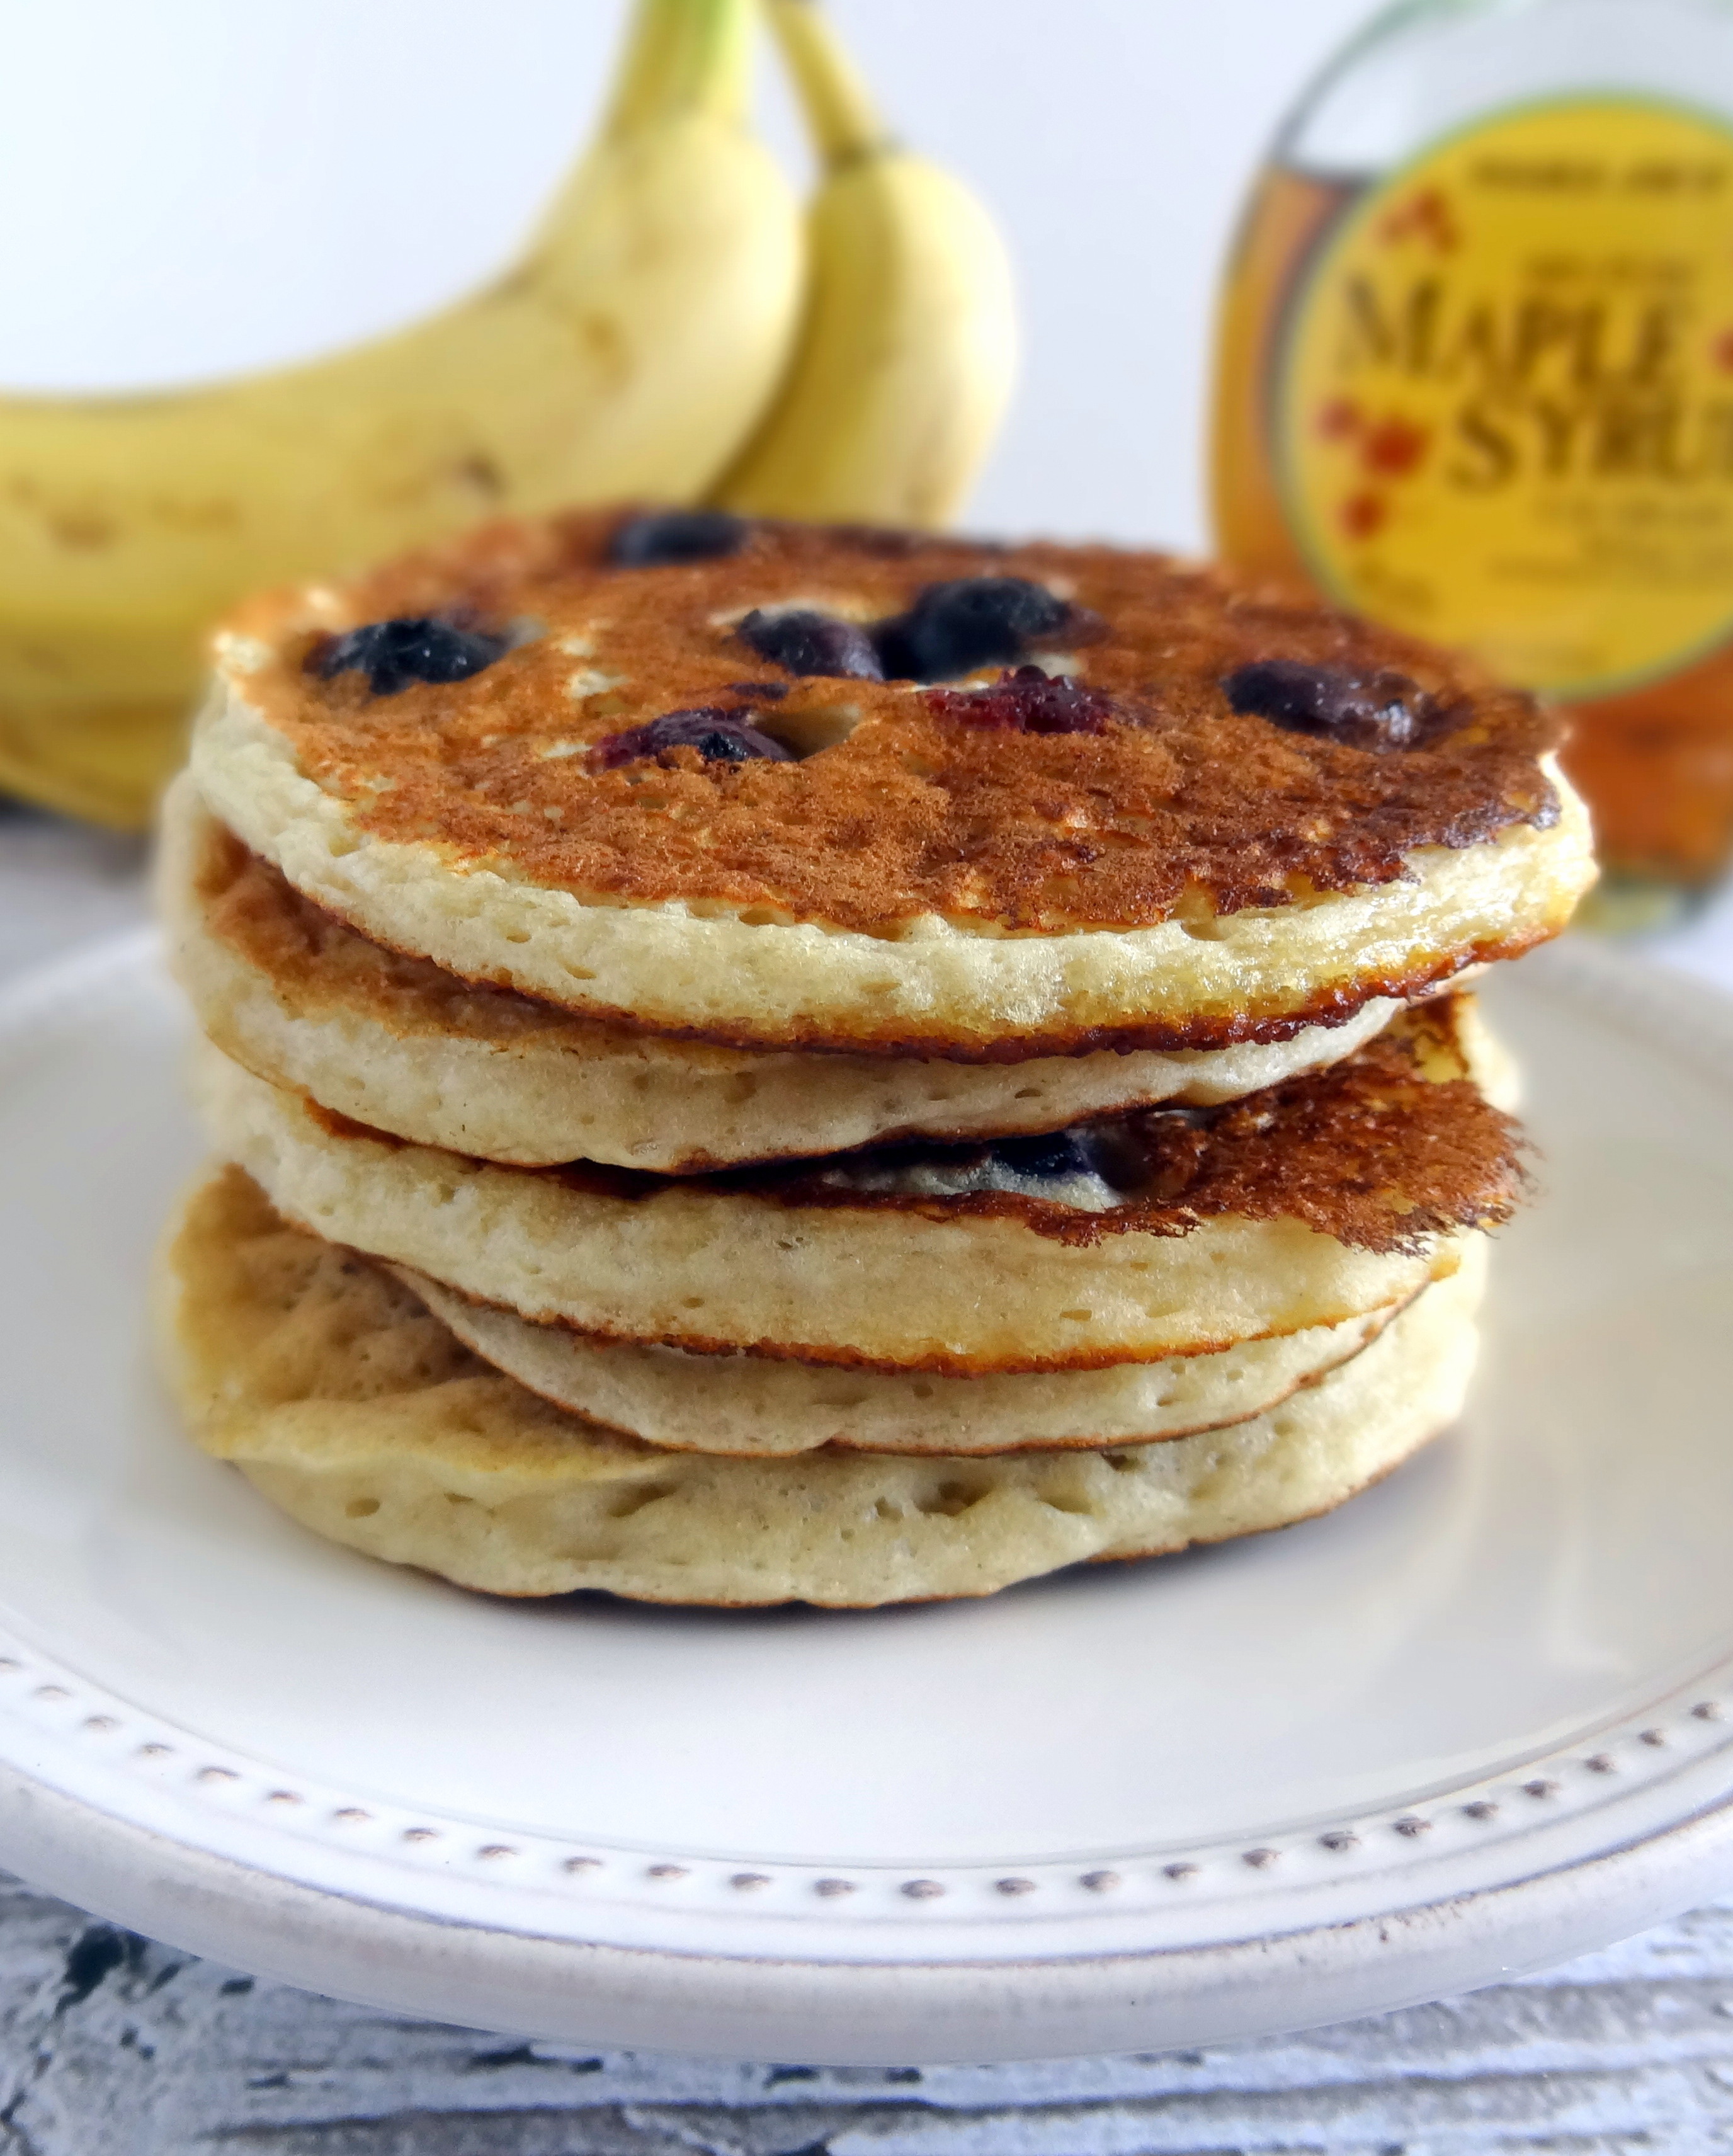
(1480, 1719)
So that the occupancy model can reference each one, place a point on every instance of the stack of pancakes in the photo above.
(753, 1064)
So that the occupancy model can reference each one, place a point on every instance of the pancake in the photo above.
(353, 1409)
(394, 1042)
(873, 792)
(753, 1407)
(1164, 1233)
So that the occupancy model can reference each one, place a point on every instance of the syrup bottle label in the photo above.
(1503, 401)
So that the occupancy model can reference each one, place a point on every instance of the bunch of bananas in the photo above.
(673, 333)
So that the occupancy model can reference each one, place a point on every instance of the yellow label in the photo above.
(1503, 407)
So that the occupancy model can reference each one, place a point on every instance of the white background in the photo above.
(196, 186)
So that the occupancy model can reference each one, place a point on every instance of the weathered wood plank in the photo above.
(111, 2045)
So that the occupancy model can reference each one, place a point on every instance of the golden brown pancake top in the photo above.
(1390, 1147)
(1177, 804)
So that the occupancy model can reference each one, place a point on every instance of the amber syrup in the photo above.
(1474, 377)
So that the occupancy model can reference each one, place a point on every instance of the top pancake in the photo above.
(933, 872)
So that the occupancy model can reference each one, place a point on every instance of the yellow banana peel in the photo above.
(628, 354)
(907, 351)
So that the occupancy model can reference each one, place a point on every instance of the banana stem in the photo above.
(842, 118)
(683, 56)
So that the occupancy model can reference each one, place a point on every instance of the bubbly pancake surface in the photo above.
(921, 875)
(918, 811)
(354, 1409)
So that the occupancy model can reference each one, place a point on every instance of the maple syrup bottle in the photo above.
(1474, 379)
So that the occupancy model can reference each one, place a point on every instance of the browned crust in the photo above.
(1381, 1152)
(1180, 804)
(249, 904)
(1384, 1151)
(327, 964)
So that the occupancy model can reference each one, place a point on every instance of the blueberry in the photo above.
(1052, 1158)
(1379, 712)
(808, 642)
(974, 621)
(411, 647)
(669, 536)
(1027, 702)
(718, 735)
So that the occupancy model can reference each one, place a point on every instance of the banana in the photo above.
(906, 357)
(627, 355)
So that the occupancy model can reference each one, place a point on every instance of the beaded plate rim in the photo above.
(1564, 1811)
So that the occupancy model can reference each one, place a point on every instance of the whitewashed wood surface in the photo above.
(110, 2045)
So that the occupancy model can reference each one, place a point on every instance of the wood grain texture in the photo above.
(112, 2046)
